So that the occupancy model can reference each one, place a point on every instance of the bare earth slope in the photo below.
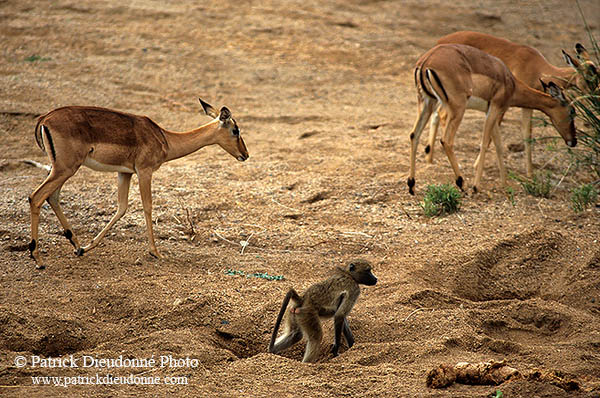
(323, 94)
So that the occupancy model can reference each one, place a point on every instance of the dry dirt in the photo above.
(323, 94)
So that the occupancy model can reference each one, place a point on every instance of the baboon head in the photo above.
(361, 272)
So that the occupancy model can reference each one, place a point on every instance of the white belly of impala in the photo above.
(477, 103)
(95, 165)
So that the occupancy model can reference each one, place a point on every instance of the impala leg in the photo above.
(499, 153)
(486, 145)
(53, 183)
(425, 110)
(438, 115)
(124, 180)
(491, 123)
(145, 180)
(54, 201)
(454, 118)
(526, 131)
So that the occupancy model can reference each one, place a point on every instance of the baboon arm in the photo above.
(348, 334)
(327, 312)
(338, 326)
(340, 323)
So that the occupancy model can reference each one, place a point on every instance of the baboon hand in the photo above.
(334, 350)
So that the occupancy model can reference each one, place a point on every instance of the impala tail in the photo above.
(434, 82)
(43, 137)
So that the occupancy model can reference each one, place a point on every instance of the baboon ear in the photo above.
(208, 109)
(225, 114)
(569, 60)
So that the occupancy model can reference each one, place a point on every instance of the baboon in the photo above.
(333, 297)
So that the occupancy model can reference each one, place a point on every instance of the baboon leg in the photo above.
(311, 328)
(286, 340)
(292, 333)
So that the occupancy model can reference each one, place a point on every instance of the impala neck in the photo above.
(527, 97)
(182, 144)
(563, 77)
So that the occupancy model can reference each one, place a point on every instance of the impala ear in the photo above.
(570, 61)
(556, 93)
(225, 114)
(582, 52)
(208, 109)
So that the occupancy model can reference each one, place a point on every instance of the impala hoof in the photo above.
(155, 254)
(79, 252)
(411, 184)
(459, 183)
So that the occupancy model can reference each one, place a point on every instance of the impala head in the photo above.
(587, 78)
(562, 115)
(228, 133)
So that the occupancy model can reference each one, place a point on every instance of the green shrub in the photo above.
(510, 193)
(587, 107)
(441, 199)
(538, 186)
(35, 58)
(583, 197)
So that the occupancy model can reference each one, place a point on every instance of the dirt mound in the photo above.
(45, 336)
(541, 263)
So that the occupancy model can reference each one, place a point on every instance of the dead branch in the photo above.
(37, 164)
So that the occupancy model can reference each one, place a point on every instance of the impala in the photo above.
(528, 65)
(108, 140)
(456, 75)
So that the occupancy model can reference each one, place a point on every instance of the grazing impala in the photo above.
(528, 65)
(108, 140)
(456, 75)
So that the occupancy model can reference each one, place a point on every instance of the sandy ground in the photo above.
(323, 94)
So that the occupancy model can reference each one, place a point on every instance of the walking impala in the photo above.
(455, 75)
(108, 140)
(528, 65)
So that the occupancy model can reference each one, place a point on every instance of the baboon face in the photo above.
(361, 272)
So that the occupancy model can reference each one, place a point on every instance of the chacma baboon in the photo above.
(333, 297)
